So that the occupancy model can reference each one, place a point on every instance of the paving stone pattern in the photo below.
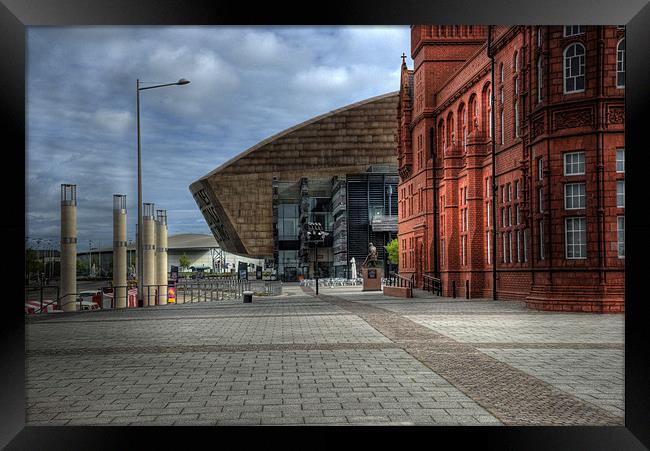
(257, 387)
(510, 394)
(207, 330)
(594, 375)
(536, 328)
(352, 358)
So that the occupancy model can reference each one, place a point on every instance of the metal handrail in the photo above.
(432, 284)
(201, 290)
(396, 280)
(57, 301)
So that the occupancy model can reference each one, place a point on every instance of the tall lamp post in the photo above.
(182, 81)
(90, 257)
(315, 235)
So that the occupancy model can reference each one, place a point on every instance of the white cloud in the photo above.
(322, 78)
(113, 121)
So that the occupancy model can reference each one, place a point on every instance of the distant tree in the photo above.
(393, 251)
(184, 261)
(82, 267)
(33, 264)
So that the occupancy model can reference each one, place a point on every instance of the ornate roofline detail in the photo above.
(462, 90)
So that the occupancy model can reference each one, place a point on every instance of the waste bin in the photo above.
(248, 297)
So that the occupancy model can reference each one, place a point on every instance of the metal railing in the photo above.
(268, 287)
(59, 304)
(432, 284)
(125, 296)
(395, 280)
(332, 282)
(202, 290)
(41, 291)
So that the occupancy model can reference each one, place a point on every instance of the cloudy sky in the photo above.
(246, 85)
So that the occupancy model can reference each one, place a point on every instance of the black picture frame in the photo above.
(15, 15)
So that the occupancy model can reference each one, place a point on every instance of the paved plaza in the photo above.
(343, 357)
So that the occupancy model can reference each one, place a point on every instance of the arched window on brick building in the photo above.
(515, 81)
(441, 137)
(516, 109)
(450, 129)
(473, 113)
(574, 68)
(540, 79)
(620, 64)
(486, 103)
(462, 125)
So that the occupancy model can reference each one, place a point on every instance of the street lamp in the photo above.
(90, 257)
(139, 258)
(315, 235)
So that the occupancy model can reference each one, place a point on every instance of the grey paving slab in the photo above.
(318, 399)
(527, 327)
(240, 330)
(298, 359)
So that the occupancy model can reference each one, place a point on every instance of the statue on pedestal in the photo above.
(371, 259)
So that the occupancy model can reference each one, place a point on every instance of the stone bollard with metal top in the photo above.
(248, 297)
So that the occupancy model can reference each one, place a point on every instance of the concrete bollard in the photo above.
(161, 256)
(119, 251)
(149, 253)
(68, 248)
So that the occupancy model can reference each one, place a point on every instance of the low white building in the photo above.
(202, 251)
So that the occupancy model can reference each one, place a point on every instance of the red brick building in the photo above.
(551, 227)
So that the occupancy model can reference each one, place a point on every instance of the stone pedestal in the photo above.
(372, 278)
